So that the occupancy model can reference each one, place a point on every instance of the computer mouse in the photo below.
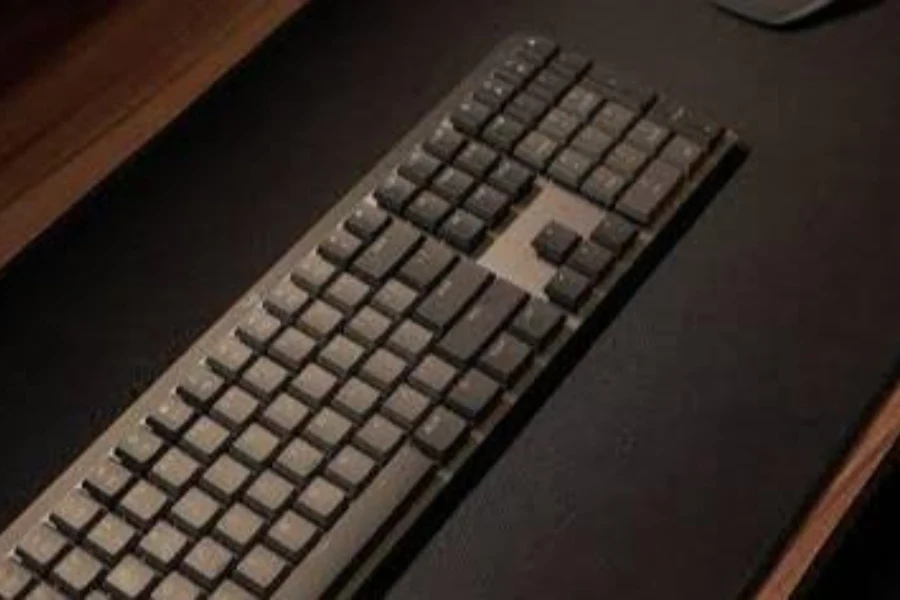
(774, 12)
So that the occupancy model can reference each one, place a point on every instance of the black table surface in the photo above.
(684, 445)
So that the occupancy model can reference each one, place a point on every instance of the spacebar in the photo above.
(366, 516)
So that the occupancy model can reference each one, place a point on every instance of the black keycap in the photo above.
(691, 124)
(207, 562)
(205, 438)
(548, 86)
(14, 580)
(143, 503)
(264, 377)
(570, 64)
(383, 369)
(258, 328)
(356, 399)
(347, 293)
(568, 288)
(313, 273)
(377, 261)
(539, 46)
(554, 242)
(139, 448)
(200, 386)
(327, 428)
(130, 579)
(505, 358)
(647, 136)
(320, 320)
(614, 119)
(537, 322)
(536, 149)
(163, 545)
(623, 89)
(229, 590)
(313, 385)
(238, 528)
(682, 153)
(41, 547)
(229, 356)
(527, 108)
(395, 298)
(488, 204)
(603, 186)
(292, 348)
(176, 587)
(441, 433)
(195, 511)
(108, 481)
(433, 376)
(366, 221)
(406, 406)
(512, 178)
(395, 193)
(645, 197)
(503, 132)
(410, 340)
(350, 468)
(76, 572)
(75, 513)
(580, 102)
(420, 167)
(559, 125)
(570, 167)
(481, 322)
(171, 418)
(291, 535)
(321, 501)
(494, 92)
(428, 210)
(235, 408)
(427, 265)
(368, 327)
(452, 184)
(452, 294)
(110, 537)
(269, 493)
(255, 445)
(260, 570)
(463, 230)
(476, 159)
(341, 355)
(225, 478)
(515, 70)
(592, 143)
(591, 259)
(340, 247)
(378, 437)
(444, 142)
(473, 394)
(626, 159)
(285, 300)
(470, 116)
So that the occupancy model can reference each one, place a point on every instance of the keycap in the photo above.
(614, 119)
(44, 592)
(225, 478)
(200, 386)
(255, 445)
(366, 517)
(378, 437)
(260, 570)
(559, 125)
(313, 385)
(580, 102)
(292, 348)
(419, 167)
(647, 136)
(410, 340)
(512, 178)
(503, 132)
(75, 513)
(570, 64)
(476, 159)
(291, 535)
(395, 193)
(682, 153)
(327, 428)
(603, 186)
(428, 210)
(143, 503)
(406, 406)
(285, 300)
(258, 328)
(321, 501)
(383, 369)
(347, 293)
(463, 230)
(394, 298)
(433, 376)
(130, 578)
(444, 142)
(590, 259)
(108, 481)
(97, 595)
(320, 320)
(505, 358)
(367, 221)
(539, 46)
(195, 511)
(171, 418)
(554, 242)
(238, 528)
(490, 312)
(139, 448)
(536, 149)
(229, 356)
(428, 264)
(175, 587)
(622, 88)
(76, 572)
(537, 322)
(570, 168)
(285, 415)
(592, 143)
(41, 547)
(644, 198)
(163, 546)
(14, 579)
(494, 92)
(207, 562)
(470, 116)
(441, 433)
(386, 253)
(340, 247)
(313, 273)
(568, 288)
(350, 468)
(488, 204)
(205, 438)
(356, 399)
(368, 327)
(269, 493)
(451, 295)
(229, 590)
(299, 460)
(452, 184)
(473, 394)
(691, 124)
(110, 537)
(614, 232)
(515, 70)
(235, 408)
(341, 355)
(548, 86)
(264, 377)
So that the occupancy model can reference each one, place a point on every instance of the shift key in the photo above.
(386, 253)
(452, 295)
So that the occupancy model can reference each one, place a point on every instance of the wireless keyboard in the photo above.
(318, 424)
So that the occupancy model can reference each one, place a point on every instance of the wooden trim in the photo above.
(820, 523)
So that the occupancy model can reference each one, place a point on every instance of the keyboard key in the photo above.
(41, 547)
(340, 247)
(503, 132)
(614, 232)
(321, 501)
(292, 348)
(395, 193)
(269, 494)
(207, 562)
(682, 153)
(441, 433)
(176, 587)
(386, 253)
(698, 128)
(516, 71)
(410, 340)
(327, 428)
(264, 377)
(488, 204)
(494, 92)
(255, 445)
(76, 572)
(536, 149)
(238, 528)
(427, 265)
(570, 64)
(285, 415)
(341, 355)
(163, 546)
(356, 399)
(512, 178)
(580, 102)
(420, 167)
(14, 579)
(568, 288)
(200, 386)
(540, 47)
(554, 242)
(299, 460)
(195, 511)
(473, 394)
(313, 273)
(433, 376)
(452, 184)
(368, 327)
(603, 186)
(291, 535)
(626, 159)
(108, 481)
(395, 298)
(285, 300)
(527, 108)
(655, 185)
(559, 125)
(452, 294)
(75, 513)
(505, 358)
(444, 142)
(476, 159)
(225, 478)
(406, 406)
(44, 592)
(463, 230)
(614, 119)
(367, 221)
(258, 328)
(130, 579)
(570, 168)
(313, 385)
(548, 86)
(205, 438)
(428, 210)
(347, 293)
(229, 590)
(350, 468)
(320, 320)
(143, 503)
(537, 322)
(378, 437)
(229, 356)
(592, 143)
(471, 116)
(139, 448)
(110, 538)
(590, 259)
(260, 570)
(621, 88)
(647, 136)
(383, 369)
(171, 418)
(235, 408)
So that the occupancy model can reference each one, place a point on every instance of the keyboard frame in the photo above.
(445, 490)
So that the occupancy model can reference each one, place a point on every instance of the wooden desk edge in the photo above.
(820, 523)
(39, 206)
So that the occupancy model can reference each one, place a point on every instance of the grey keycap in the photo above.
(536, 149)
(229, 590)
(527, 107)
(433, 376)
(428, 210)
(130, 578)
(383, 369)
(14, 579)
(463, 230)
(570, 168)
(647, 135)
(341, 355)
(174, 471)
(176, 586)
(327, 428)
(200, 386)
(139, 448)
(568, 288)
(255, 445)
(626, 159)
(614, 232)
(75, 513)
(420, 166)
(286, 299)
(110, 537)
(356, 399)
(320, 319)
(313, 273)
(285, 415)
(41, 547)
(76, 572)
(444, 142)
(503, 132)
(350, 468)
(590, 259)
(580, 102)
(378, 437)
(260, 570)
(406, 406)
(314, 384)
(143, 503)
(473, 394)
(195, 511)
(299, 460)
(427, 265)
(225, 478)
(291, 535)
(488, 204)
(395, 193)
(340, 247)
(452, 184)
(292, 348)
(264, 377)
(410, 340)
(592, 143)
(494, 91)
(368, 327)
(171, 418)
(229, 356)
(547, 86)
(505, 358)
(453, 292)
(386, 253)
(537, 322)
(235, 408)
(554, 242)
(367, 221)
(163, 545)
(603, 185)
(347, 292)
(559, 125)
(441, 433)
(614, 119)
(693, 125)
(258, 327)
(108, 480)
(44, 592)
(238, 528)
(321, 501)
(269, 493)
(207, 562)
(682, 153)
(476, 159)
(394, 298)
(654, 186)
(511, 177)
